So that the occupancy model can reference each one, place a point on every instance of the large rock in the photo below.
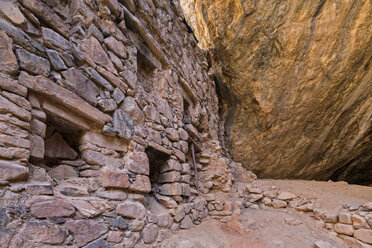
(85, 231)
(12, 171)
(296, 82)
(57, 148)
(8, 63)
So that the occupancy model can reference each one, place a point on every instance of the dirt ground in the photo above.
(276, 228)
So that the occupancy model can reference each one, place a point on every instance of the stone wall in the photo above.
(101, 103)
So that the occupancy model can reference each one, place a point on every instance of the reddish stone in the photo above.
(44, 232)
(173, 189)
(8, 62)
(52, 208)
(99, 55)
(141, 184)
(133, 210)
(116, 47)
(138, 162)
(56, 147)
(114, 179)
(84, 231)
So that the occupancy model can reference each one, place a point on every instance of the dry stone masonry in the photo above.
(102, 105)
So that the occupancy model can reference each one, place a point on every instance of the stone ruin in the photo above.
(108, 125)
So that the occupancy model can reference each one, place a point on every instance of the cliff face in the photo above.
(296, 82)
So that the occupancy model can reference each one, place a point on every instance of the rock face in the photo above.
(295, 78)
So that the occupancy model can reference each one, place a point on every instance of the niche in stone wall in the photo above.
(64, 129)
(157, 160)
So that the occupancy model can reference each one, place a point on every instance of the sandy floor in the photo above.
(284, 228)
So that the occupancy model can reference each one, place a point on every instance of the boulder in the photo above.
(277, 88)
(52, 208)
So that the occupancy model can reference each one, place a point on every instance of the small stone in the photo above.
(364, 235)
(137, 162)
(101, 243)
(33, 63)
(150, 233)
(99, 55)
(345, 218)
(98, 79)
(86, 209)
(54, 40)
(172, 134)
(368, 205)
(130, 107)
(133, 210)
(323, 244)
(170, 165)
(330, 218)
(63, 172)
(116, 47)
(358, 221)
(279, 204)
(113, 195)
(286, 196)
(81, 85)
(36, 147)
(39, 189)
(169, 177)
(292, 221)
(255, 197)
(74, 192)
(56, 61)
(344, 229)
(38, 128)
(186, 223)
(85, 231)
(118, 222)
(166, 201)
(164, 220)
(107, 105)
(174, 189)
(141, 184)
(11, 171)
(56, 147)
(114, 179)
(8, 63)
(118, 95)
(52, 208)
(266, 201)
(13, 13)
(123, 124)
(44, 232)
(115, 236)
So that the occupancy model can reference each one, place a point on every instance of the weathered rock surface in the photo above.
(295, 78)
